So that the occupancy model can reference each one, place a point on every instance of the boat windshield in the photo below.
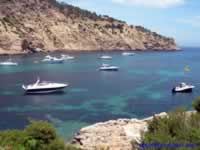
(43, 83)
(183, 85)
(105, 65)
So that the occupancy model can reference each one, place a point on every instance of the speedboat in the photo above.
(128, 54)
(106, 57)
(43, 87)
(67, 57)
(183, 87)
(8, 63)
(52, 60)
(107, 67)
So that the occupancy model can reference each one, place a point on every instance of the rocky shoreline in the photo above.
(14, 53)
(114, 134)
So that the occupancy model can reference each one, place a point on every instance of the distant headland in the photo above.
(46, 25)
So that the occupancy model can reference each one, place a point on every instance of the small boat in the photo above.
(128, 54)
(9, 63)
(107, 67)
(43, 87)
(52, 60)
(67, 57)
(183, 87)
(106, 57)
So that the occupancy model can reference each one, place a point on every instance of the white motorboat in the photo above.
(52, 60)
(44, 87)
(9, 63)
(106, 57)
(107, 67)
(67, 57)
(128, 54)
(183, 87)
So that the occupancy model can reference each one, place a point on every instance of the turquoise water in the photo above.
(139, 89)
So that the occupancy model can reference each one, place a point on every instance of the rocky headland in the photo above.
(46, 25)
(114, 134)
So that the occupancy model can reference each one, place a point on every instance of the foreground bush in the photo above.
(176, 131)
(196, 104)
(37, 136)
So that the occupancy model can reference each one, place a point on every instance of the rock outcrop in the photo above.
(113, 135)
(35, 25)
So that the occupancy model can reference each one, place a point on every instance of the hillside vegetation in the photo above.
(33, 25)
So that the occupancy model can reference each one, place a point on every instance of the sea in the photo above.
(142, 87)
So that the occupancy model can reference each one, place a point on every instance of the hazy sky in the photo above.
(175, 18)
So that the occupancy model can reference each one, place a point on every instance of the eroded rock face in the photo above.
(114, 134)
(56, 26)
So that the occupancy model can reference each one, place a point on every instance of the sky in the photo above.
(179, 19)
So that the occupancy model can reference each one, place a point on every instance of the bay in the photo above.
(141, 88)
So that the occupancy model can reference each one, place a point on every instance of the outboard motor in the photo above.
(174, 90)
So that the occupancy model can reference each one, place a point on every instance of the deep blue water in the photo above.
(141, 88)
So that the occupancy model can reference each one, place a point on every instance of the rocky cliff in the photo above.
(35, 25)
(121, 134)
(113, 135)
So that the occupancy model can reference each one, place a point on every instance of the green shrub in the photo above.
(13, 139)
(196, 104)
(57, 144)
(36, 136)
(41, 131)
(176, 128)
(71, 147)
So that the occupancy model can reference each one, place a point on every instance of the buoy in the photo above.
(186, 69)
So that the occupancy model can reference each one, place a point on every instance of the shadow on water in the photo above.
(189, 92)
(40, 94)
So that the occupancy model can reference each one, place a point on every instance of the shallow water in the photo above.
(141, 88)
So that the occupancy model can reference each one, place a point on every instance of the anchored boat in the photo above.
(53, 60)
(128, 54)
(67, 57)
(107, 67)
(183, 87)
(8, 63)
(106, 57)
(44, 87)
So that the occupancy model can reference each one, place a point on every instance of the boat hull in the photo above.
(189, 90)
(8, 64)
(55, 62)
(44, 91)
(106, 57)
(128, 54)
(112, 69)
(59, 62)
